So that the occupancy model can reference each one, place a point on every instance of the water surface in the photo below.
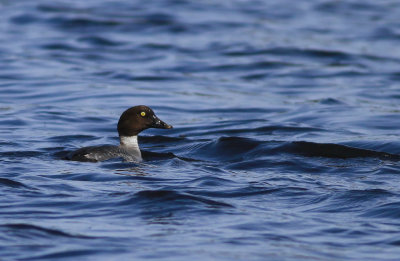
(285, 142)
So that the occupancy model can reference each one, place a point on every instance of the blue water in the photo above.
(286, 135)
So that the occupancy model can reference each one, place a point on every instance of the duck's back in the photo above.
(96, 153)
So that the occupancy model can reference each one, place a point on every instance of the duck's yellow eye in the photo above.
(143, 113)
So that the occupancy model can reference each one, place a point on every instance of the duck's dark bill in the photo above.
(159, 124)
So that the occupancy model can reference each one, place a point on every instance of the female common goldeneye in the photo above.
(132, 121)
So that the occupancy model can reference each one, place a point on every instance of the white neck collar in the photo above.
(130, 142)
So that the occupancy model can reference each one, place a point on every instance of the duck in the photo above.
(131, 122)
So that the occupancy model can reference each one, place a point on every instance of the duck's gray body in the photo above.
(105, 152)
(128, 150)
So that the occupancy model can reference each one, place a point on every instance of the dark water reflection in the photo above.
(286, 130)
